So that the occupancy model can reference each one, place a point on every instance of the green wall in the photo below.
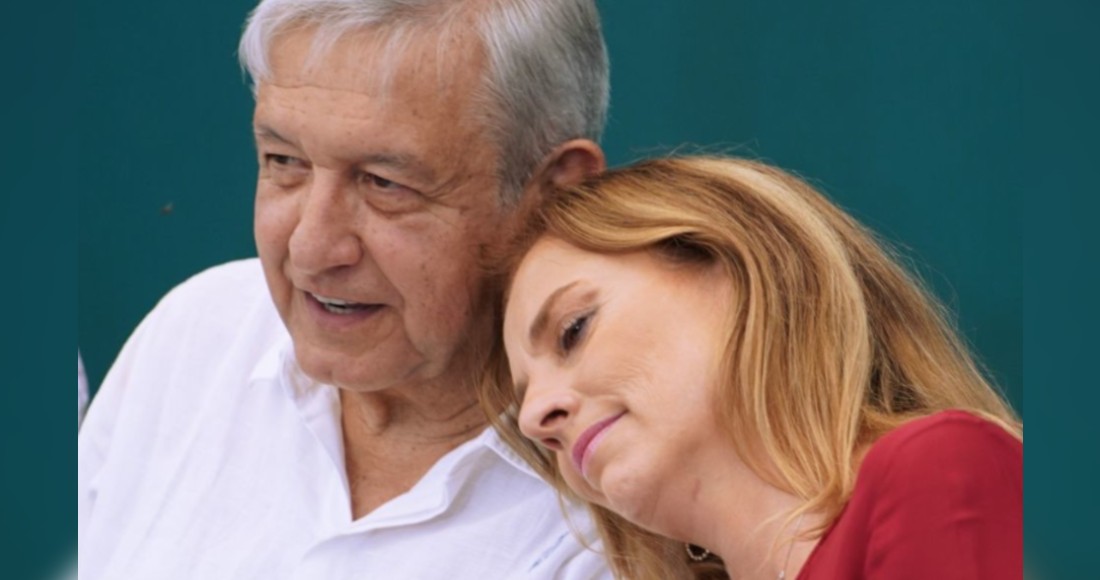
(955, 128)
(167, 177)
(902, 111)
(38, 223)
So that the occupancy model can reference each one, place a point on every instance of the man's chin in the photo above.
(365, 373)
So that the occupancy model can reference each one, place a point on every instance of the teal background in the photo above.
(921, 118)
(1056, 173)
(38, 222)
(900, 111)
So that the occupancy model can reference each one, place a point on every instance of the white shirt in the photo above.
(207, 454)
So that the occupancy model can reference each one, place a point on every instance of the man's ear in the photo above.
(568, 164)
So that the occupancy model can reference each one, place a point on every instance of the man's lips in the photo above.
(586, 443)
(339, 306)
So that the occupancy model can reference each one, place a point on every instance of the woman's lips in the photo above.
(586, 443)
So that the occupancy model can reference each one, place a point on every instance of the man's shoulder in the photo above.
(230, 295)
(235, 280)
(223, 311)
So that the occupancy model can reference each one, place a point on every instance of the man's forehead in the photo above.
(378, 58)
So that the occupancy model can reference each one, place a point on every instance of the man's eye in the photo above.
(284, 171)
(573, 333)
(281, 160)
(379, 182)
(387, 195)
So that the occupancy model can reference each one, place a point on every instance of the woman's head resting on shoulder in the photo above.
(612, 356)
(689, 319)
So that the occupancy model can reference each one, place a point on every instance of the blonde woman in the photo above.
(742, 382)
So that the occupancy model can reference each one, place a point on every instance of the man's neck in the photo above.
(390, 441)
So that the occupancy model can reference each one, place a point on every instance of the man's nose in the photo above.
(327, 234)
(546, 412)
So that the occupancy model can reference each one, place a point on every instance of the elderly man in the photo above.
(311, 414)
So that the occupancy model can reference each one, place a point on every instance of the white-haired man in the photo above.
(312, 413)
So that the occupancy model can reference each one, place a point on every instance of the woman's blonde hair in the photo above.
(831, 343)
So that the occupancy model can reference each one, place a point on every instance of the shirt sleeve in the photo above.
(81, 390)
(951, 505)
(571, 560)
(586, 564)
(570, 557)
(94, 440)
(102, 422)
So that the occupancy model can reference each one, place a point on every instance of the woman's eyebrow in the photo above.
(538, 326)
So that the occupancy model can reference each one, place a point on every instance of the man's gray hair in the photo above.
(546, 81)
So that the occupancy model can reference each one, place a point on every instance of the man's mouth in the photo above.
(337, 306)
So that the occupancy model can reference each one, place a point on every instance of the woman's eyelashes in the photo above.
(573, 332)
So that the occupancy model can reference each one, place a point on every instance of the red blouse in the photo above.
(938, 498)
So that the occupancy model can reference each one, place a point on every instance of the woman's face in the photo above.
(614, 358)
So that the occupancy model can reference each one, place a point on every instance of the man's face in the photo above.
(372, 203)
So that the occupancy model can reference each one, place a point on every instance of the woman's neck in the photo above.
(746, 522)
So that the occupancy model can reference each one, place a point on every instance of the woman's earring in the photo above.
(696, 556)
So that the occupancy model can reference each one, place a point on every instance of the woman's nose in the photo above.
(545, 413)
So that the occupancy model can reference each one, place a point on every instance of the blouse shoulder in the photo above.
(938, 497)
(946, 443)
(944, 499)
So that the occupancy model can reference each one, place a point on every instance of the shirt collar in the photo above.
(279, 365)
(496, 443)
(271, 365)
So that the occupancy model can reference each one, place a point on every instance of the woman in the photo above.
(709, 352)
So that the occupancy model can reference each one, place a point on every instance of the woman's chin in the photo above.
(638, 495)
(632, 496)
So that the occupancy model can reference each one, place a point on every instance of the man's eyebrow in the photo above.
(538, 326)
(263, 132)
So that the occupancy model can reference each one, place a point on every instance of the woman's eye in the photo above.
(573, 333)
